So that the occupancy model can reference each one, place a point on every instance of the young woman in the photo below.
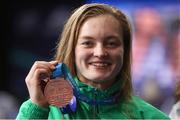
(96, 47)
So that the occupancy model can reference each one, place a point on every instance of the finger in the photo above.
(40, 65)
(35, 79)
(54, 62)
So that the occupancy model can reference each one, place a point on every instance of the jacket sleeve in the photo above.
(148, 111)
(29, 110)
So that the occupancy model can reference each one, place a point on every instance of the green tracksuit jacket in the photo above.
(136, 109)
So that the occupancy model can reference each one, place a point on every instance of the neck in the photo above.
(102, 85)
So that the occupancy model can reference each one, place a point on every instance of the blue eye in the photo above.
(112, 44)
(87, 44)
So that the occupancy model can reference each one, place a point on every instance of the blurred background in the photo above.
(31, 29)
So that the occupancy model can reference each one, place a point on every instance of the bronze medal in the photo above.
(58, 92)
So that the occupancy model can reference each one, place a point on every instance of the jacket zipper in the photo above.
(95, 107)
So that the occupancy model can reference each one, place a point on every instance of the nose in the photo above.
(100, 51)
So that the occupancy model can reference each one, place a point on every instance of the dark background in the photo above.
(30, 30)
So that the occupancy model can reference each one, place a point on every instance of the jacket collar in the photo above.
(92, 92)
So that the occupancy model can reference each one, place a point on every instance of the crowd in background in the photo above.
(155, 60)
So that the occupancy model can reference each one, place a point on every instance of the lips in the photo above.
(100, 64)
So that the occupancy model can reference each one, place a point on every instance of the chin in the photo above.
(101, 79)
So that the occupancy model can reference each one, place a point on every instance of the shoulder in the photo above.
(147, 110)
(174, 113)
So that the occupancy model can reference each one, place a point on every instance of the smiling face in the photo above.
(99, 51)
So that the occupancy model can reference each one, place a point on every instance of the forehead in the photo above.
(107, 18)
(101, 23)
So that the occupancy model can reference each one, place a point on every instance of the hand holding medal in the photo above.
(58, 91)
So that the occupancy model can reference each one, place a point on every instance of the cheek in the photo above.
(81, 53)
(80, 56)
(118, 59)
(118, 55)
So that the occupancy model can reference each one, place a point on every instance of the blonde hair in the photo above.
(67, 42)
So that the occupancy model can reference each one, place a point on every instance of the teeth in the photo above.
(100, 64)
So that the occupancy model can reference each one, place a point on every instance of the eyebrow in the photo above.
(106, 37)
(86, 37)
(112, 37)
